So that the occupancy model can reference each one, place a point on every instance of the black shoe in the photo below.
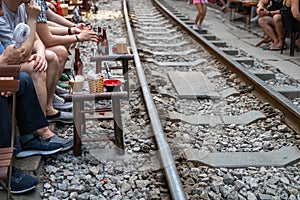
(22, 182)
(35, 145)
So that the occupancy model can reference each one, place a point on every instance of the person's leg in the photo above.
(55, 70)
(279, 30)
(30, 119)
(53, 73)
(5, 126)
(224, 6)
(39, 80)
(266, 23)
(203, 13)
(199, 8)
(30, 115)
(35, 136)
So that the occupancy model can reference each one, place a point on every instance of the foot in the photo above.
(276, 47)
(22, 182)
(195, 27)
(60, 104)
(254, 19)
(66, 143)
(61, 91)
(61, 117)
(33, 144)
(223, 9)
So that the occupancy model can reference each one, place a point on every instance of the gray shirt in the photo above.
(9, 21)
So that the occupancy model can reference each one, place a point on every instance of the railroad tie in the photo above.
(277, 158)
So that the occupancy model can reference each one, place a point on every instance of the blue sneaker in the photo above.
(32, 144)
(22, 182)
(66, 143)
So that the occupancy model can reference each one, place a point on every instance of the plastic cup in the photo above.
(121, 45)
(77, 84)
(64, 9)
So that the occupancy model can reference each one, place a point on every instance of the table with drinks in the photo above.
(103, 86)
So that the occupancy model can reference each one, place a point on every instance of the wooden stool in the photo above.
(124, 58)
(6, 154)
(80, 119)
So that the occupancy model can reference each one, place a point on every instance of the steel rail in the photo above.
(264, 91)
(167, 161)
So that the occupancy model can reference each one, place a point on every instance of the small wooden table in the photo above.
(80, 118)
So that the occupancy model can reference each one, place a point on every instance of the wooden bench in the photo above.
(6, 154)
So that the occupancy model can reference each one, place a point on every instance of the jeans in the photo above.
(29, 114)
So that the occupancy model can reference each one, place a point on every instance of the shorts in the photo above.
(199, 1)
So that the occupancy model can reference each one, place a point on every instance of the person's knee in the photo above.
(62, 53)
(277, 19)
(25, 81)
(263, 22)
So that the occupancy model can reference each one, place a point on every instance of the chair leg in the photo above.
(9, 181)
(293, 40)
(118, 127)
(282, 46)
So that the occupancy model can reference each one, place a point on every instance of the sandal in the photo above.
(276, 48)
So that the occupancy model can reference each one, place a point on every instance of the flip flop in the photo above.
(276, 48)
(266, 47)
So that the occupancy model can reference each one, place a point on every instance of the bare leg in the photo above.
(199, 8)
(266, 23)
(61, 53)
(223, 5)
(45, 132)
(279, 30)
(52, 78)
(204, 8)
(39, 80)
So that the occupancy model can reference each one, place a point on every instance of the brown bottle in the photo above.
(100, 40)
(104, 44)
(100, 36)
(77, 63)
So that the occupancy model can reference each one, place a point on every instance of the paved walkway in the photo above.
(237, 35)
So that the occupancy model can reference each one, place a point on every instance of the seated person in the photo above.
(295, 9)
(42, 65)
(36, 137)
(31, 119)
(270, 22)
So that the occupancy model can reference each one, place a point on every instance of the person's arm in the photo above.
(295, 9)
(52, 16)
(33, 10)
(12, 55)
(261, 10)
(50, 40)
(39, 55)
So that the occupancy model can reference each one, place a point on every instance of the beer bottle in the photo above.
(100, 40)
(104, 44)
(77, 63)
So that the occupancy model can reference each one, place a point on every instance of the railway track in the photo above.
(161, 42)
(217, 141)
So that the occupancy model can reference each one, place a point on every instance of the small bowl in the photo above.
(112, 85)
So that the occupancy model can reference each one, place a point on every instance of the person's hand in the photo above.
(261, 11)
(33, 10)
(12, 55)
(52, 6)
(88, 35)
(7, 93)
(41, 62)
